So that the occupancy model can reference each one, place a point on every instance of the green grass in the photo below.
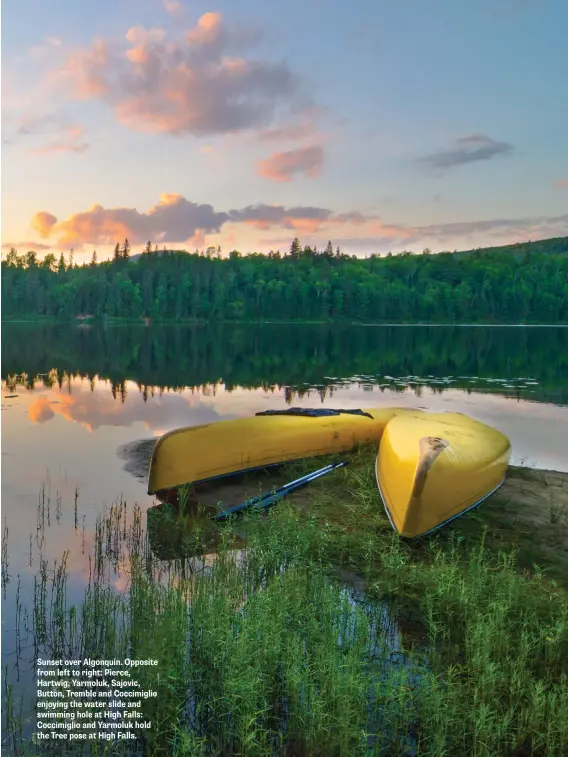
(264, 651)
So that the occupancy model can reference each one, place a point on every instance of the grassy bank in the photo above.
(457, 647)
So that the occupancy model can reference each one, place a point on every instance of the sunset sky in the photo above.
(379, 125)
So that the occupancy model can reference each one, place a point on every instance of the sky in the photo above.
(380, 126)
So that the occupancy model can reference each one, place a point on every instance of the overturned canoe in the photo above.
(201, 453)
(433, 467)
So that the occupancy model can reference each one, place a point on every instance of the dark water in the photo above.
(72, 396)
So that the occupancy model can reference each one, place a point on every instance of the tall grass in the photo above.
(263, 651)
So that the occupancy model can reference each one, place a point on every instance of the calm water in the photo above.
(72, 396)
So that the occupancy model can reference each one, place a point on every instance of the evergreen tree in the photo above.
(126, 249)
(94, 259)
(295, 248)
(116, 256)
(12, 257)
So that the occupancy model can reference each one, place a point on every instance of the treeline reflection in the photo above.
(299, 359)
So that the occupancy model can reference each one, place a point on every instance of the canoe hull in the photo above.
(202, 453)
(433, 468)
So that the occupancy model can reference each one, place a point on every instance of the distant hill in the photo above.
(554, 246)
(156, 252)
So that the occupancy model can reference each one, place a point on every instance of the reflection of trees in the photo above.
(174, 358)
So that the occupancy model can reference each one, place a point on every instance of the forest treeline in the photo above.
(520, 283)
(296, 358)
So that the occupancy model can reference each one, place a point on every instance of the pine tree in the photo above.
(94, 258)
(148, 248)
(61, 268)
(126, 249)
(295, 248)
(329, 250)
(116, 255)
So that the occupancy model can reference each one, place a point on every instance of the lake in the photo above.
(74, 396)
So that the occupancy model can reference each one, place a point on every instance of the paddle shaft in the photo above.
(266, 500)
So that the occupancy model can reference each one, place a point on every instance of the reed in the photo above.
(453, 649)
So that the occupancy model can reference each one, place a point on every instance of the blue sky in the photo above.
(379, 125)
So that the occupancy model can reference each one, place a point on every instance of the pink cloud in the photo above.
(197, 240)
(561, 184)
(208, 30)
(43, 223)
(285, 166)
(173, 219)
(199, 85)
(264, 217)
(173, 7)
(86, 72)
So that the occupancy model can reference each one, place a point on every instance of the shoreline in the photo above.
(201, 322)
(528, 512)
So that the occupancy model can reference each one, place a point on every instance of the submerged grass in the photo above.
(264, 652)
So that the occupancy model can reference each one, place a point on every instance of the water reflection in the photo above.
(91, 405)
(291, 357)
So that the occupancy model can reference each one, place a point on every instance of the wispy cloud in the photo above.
(45, 48)
(44, 124)
(289, 132)
(290, 164)
(561, 184)
(469, 149)
(65, 137)
(72, 142)
(464, 235)
(200, 85)
(37, 246)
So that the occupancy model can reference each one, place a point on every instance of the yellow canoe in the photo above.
(433, 467)
(201, 453)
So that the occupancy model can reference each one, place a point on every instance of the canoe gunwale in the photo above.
(268, 466)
